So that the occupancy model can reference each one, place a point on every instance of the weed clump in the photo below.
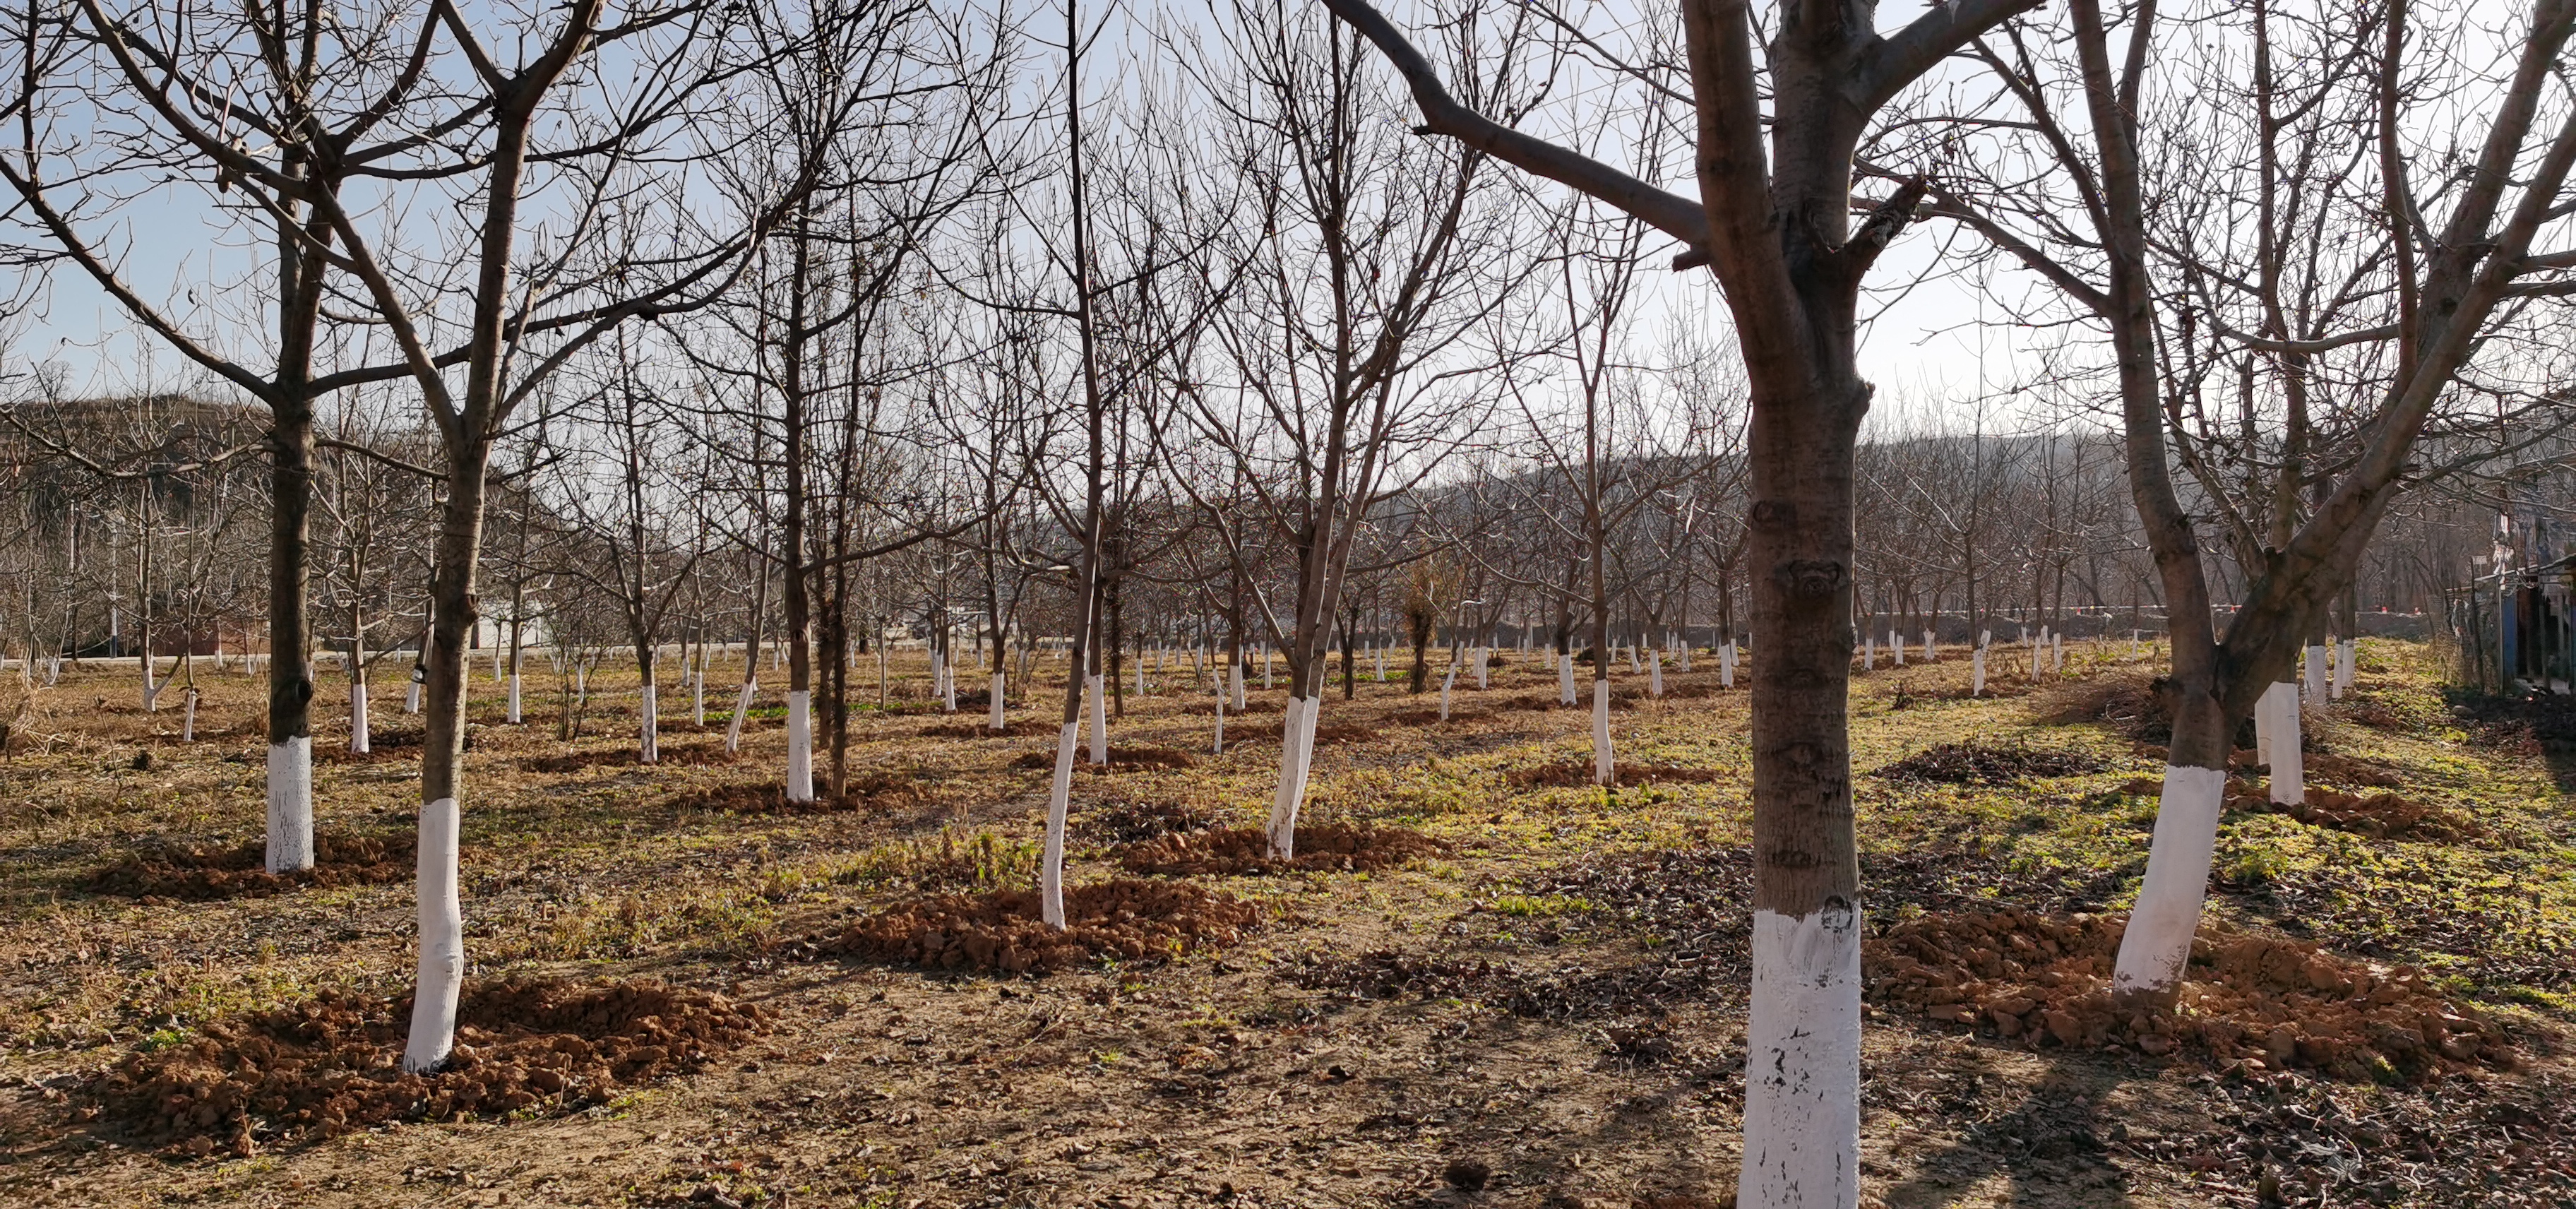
(332, 1064)
(1326, 847)
(241, 871)
(1971, 763)
(2247, 1002)
(1122, 920)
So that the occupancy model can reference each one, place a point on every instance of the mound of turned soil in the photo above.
(979, 728)
(2348, 770)
(1431, 717)
(1629, 776)
(2267, 1004)
(241, 871)
(1325, 847)
(1129, 821)
(1123, 920)
(868, 791)
(676, 755)
(2378, 815)
(1121, 759)
(333, 1064)
(1973, 763)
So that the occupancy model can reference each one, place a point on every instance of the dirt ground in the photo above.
(1543, 1008)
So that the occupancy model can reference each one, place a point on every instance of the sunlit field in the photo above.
(1505, 986)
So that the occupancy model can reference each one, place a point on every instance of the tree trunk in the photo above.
(290, 682)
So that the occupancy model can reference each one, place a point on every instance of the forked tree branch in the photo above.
(1666, 211)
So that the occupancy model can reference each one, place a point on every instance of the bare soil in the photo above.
(332, 1063)
(241, 871)
(1124, 920)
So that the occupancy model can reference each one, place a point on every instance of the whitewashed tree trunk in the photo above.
(514, 699)
(1977, 673)
(698, 696)
(411, 698)
(1220, 724)
(1447, 683)
(1802, 1068)
(1603, 766)
(1098, 689)
(290, 805)
(2350, 650)
(358, 735)
(2281, 751)
(993, 714)
(1655, 673)
(1381, 665)
(1868, 651)
(1565, 678)
(1296, 758)
(2312, 667)
(1930, 654)
(442, 941)
(800, 743)
(188, 721)
(1234, 673)
(2158, 942)
(1059, 803)
(1726, 664)
(741, 708)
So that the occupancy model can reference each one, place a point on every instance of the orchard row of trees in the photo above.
(1280, 327)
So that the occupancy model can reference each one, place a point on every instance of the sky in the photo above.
(1923, 349)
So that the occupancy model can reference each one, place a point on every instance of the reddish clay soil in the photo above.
(1122, 920)
(241, 871)
(1121, 759)
(1973, 763)
(333, 1063)
(867, 791)
(1628, 776)
(2249, 1003)
(1327, 847)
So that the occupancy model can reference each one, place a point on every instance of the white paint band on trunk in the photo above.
(741, 708)
(999, 703)
(2158, 942)
(1059, 802)
(649, 747)
(359, 736)
(514, 699)
(290, 805)
(1802, 1062)
(442, 941)
(1602, 762)
(2289, 780)
(800, 745)
(1098, 688)
(1285, 799)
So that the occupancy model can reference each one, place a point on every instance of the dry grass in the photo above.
(1551, 996)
